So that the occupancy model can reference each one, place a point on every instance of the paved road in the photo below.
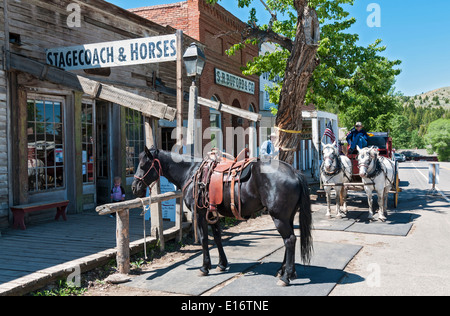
(421, 169)
(413, 265)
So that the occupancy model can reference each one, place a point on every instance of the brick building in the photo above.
(222, 79)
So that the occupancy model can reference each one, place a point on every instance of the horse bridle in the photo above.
(160, 173)
(367, 165)
(371, 174)
(338, 167)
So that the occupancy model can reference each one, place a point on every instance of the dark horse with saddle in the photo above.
(237, 187)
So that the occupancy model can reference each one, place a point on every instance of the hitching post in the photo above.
(123, 241)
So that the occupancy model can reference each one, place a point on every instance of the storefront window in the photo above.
(135, 139)
(45, 145)
(87, 140)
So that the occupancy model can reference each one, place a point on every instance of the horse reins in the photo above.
(160, 174)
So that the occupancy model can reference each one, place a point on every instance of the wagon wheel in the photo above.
(397, 185)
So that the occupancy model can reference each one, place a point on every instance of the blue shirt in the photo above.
(354, 134)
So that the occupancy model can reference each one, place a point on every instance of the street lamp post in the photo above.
(194, 60)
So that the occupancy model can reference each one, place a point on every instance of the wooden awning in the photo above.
(219, 106)
(96, 89)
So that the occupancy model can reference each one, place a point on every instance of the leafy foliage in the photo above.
(354, 81)
(438, 136)
(420, 117)
(410, 126)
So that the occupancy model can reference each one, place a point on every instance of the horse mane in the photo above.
(178, 157)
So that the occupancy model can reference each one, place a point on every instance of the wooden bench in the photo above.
(20, 210)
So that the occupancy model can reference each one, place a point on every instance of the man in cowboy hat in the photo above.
(357, 137)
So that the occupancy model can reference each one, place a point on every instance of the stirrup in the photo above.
(215, 218)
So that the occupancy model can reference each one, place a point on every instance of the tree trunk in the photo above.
(299, 70)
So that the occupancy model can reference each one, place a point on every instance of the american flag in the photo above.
(329, 132)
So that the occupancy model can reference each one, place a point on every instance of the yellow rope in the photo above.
(288, 131)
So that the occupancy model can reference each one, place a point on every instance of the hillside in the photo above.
(435, 98)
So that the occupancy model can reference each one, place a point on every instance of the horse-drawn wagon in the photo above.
(383, 143)
(369, 169)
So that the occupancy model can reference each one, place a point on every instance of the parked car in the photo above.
(399, 157)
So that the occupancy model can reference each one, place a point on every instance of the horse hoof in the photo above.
(204, 272)
(283, 283)
(221, 268)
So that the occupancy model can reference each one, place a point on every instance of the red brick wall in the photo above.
(174, 15)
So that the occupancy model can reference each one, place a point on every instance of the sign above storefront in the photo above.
(113, 54)
(226, 79)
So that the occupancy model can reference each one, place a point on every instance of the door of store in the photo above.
(103, 152)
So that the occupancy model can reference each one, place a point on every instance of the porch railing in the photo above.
(122, 210)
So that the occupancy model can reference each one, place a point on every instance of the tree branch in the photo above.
(274, 15)
(267, 36)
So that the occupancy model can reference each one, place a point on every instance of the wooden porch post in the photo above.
(180, 95)
(20, 148)
(78, 179)
(156, 210)
(252, 143)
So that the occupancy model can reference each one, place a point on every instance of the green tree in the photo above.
(295, 28)
(438, 137)
(319, 62)
(416, 140)
(355, 79)
(399, 125)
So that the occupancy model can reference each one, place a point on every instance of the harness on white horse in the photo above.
(379, 168)
(336, 171)
(377, 171)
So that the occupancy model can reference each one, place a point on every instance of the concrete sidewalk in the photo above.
(254, 258)
(417, 264)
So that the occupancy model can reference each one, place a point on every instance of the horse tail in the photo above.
(304, 207)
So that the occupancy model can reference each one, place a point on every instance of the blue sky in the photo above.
(414, 31)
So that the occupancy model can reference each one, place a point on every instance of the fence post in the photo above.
(123, 241)
(157, 220)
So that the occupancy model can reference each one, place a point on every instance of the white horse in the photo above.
(337, 170)
(377, 173)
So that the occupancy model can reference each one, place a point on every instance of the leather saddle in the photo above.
(227, 171)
